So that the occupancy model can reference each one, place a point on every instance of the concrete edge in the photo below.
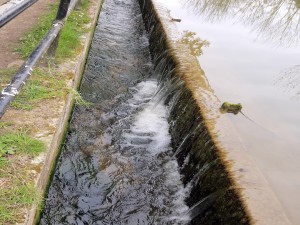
(255, 193)
(58, 138)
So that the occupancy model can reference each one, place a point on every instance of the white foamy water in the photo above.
(173, 181)
(150, 130)
(151, 123)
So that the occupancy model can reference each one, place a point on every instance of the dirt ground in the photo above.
(11, 33)
(3, 2)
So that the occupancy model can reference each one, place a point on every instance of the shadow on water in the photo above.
(278, 20)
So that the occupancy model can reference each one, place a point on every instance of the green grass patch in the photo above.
(4, 125)
(79, 100)
(42, 85)
(15, 197)
(17, 190)
(33, 37)
(75, 26)
(20, 143)
(69, 41)
(5, 76)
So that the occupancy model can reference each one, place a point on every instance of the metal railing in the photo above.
(14, 11)
(13, 88)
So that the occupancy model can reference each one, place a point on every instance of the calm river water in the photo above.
(254, 59)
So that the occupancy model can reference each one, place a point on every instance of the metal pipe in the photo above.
(14, 11)
(62, 9)
(13, 88)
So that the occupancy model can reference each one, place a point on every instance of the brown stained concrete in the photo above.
(256, 194)
(49, 120)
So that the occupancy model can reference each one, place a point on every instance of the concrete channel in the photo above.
(152, 146)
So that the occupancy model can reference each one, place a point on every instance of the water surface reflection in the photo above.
(275, 19)
(289, 80)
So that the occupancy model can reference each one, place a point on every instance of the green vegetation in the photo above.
(15, 196)
(79, 100)
(32, 38)
(5, 76)
(20, 142)
(16, 192)
(231, 108)
(42, 85)
(69, 41)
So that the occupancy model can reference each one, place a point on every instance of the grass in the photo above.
(20, 143)
(69, 41)
(17, 191)
(15, 194)
(32, 38)
(79, 100)
(42, 85)
(5, 76)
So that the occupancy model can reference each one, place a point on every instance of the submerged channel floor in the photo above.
(117, 166)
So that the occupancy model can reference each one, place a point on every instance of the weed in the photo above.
(20, 142)
(69, 41)
(5, 76)
(32, 38)
(79, 100)
(16, 196)
(41, 86)
(4, 125)
(3, 161)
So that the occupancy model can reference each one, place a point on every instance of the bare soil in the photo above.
(11, 33)
(3, 2)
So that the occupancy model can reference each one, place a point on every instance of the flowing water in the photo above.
(117, 166)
